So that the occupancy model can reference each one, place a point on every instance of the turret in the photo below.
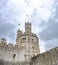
(3, 41)
(19, 33)
(28, 27)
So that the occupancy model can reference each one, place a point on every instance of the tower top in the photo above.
(28, 27)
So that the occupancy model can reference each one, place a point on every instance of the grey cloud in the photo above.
(7, 30)
(8, 24)
(56, 15)
(49, 33)
(51, 44)
(50, 29)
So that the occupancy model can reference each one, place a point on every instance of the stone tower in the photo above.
(28, 42)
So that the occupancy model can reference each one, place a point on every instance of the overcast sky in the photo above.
(43, 14)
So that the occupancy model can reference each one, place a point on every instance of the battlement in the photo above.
(4, 44)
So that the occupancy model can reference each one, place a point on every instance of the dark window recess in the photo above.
(1, 63)
(24, 38)
(33, 48)
(14, 55)
(32, 39)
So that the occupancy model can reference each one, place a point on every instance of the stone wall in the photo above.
(48, 58)
(10, 52)
(13, 63)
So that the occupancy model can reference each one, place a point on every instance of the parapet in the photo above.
(4, 44)
(10, 44)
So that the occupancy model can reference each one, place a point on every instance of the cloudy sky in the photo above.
(43, 14)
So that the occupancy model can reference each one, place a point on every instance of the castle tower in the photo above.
(28, 42)
(28, 27)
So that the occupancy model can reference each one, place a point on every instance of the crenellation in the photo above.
(10, 45)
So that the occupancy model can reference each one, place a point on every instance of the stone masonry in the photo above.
(26, 50)
(48, 58)
(26, 47)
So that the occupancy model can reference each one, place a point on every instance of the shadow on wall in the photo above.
(1, 62)
(13, 63)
